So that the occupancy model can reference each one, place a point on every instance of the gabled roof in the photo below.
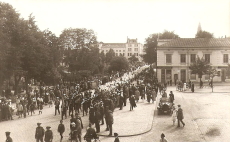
(113, 45)
(198, 42)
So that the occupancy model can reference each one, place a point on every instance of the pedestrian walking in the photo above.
(39, 133)
(48, 135)
(8, 138)
(116, 137)
(174, 115)
(163, 139)
(61, 129)
(154, 95)
(180, 116)
(20, 110)
(132, 102)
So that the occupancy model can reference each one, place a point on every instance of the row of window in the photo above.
(129, 49)
(123, 54)
(193, 58)
(135, 45)
(130, 54)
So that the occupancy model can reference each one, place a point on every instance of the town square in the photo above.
(114, 71)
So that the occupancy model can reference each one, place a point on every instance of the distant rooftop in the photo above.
(198, 42)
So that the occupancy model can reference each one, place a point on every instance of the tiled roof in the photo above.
(198, 42)
(113, 45)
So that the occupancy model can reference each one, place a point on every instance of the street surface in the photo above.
(207, 119)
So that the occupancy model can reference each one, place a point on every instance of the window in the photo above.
(135, 49)
(130, 54)
(119, 50)
(183, 58)
(116, 54)
(193, 76)
(192, 58)
(123, 54)
(225, 59)
(123, 50)
(116, 50)
(129, 49)
(137, 54)
(168, 58)
(207, 57)
(130, 45)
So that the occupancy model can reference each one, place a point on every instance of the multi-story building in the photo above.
(131, 47)
(175, 56)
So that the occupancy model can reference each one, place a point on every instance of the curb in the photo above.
(144, 132)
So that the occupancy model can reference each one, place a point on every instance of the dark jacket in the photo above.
(48, 136)
(39, 133)
(9, 139)
(180, 115)
(109, 117)
(61, 128)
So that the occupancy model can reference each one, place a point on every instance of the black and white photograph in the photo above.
(114, 70)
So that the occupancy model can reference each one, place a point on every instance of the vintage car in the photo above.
(165, 106)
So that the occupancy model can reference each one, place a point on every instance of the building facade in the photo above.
(175, 57)
(131, 47)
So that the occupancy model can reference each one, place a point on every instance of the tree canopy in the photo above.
(204, 34)
(119, 63)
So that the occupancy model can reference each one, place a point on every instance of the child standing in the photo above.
(61, 129)
(40, 107)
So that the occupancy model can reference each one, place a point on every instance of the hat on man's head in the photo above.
(48, 127)
(39, 123)
(115, 134)
(178, 105)
(162, 135)
(7, 133)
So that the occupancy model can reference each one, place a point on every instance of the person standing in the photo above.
(192, 87)
(154, 95)
(163, 139)
(180, 116)
(109, 120)
(8, 138)
(40, 106)
(57, 103)
(39, 133)
(48, 135)
(61, 129)
(121, 102)
(171, 96)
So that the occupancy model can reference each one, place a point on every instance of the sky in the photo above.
(115, 20)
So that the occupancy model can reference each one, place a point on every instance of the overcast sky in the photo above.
(114, 20)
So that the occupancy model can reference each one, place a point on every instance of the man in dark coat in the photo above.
(132, 102)
(90, 134)
(109, 120)
(39, 133)
(180, 116)
(61, 129)
(48, 135)
(171, 96)
(8, 138)
(192, 87)
(116, 137)
(121, 102)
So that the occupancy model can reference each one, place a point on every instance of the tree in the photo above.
(150, 50)
(77, 38)
(151, 45)
(109, 56)
(133, 59)
(200, 67)
(168, 35)
(204, 34)
(118, 64)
